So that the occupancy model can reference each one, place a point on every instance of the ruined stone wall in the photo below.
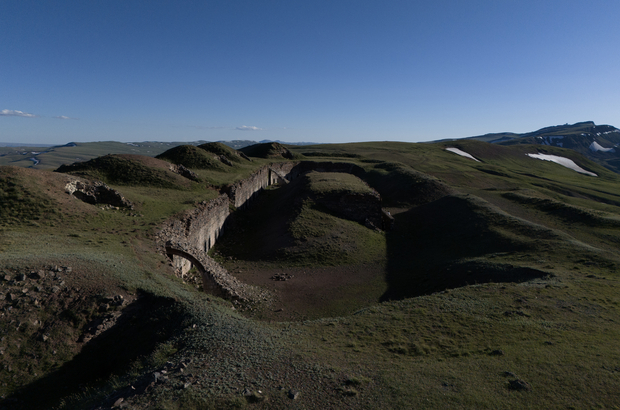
(244, 191)
(199, 228)
(188, 239)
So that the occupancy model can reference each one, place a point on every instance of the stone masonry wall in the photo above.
(242, 192)
(199, 228)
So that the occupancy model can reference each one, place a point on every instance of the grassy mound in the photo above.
(323, 239)
(303, 232)
(268, 150)
(21, 201)
(192, 157)
(120, 170)
(400, 185)
(335, 183)
(220, 149)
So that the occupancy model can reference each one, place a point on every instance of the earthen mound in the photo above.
(192, 157)
(400, 185)
(267, 150)
(127, 170)
(224, 151)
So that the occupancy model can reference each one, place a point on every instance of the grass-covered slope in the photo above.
(127, 170)
(267, 150)
(220, 149)
(192, 157)
(291, 226)
(21, 200)
(499, 284)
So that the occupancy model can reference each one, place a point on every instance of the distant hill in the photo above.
(267, 150)
(51, 157)
(597, 142)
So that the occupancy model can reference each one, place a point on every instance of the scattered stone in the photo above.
(38, 275)
(118, 300)
(519, 385)
(11, 297)
(55, 289)
(293, 394)
(281, 276)
(118, 402)
(20, 277)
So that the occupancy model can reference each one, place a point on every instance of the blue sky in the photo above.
(321, 71)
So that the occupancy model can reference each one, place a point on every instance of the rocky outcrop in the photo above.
(184, 172)
(97, 193)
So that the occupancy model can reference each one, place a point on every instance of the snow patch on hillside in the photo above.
(461, 153)
(568, 163)
(595, 146)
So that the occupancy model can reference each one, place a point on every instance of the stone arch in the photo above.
(209, 283)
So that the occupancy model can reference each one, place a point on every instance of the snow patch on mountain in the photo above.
(568, 163)
(595, 146)
(461, 153)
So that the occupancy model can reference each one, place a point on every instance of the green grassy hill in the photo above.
(496, 288)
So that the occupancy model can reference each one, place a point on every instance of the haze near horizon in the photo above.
(315, 71)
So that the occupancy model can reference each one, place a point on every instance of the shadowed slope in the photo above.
(435, 246)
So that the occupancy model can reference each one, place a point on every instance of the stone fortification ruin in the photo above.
(186, 240)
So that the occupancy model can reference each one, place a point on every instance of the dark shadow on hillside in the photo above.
(144, 324)
(429, 248)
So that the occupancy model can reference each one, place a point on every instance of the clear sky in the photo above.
(313, 70)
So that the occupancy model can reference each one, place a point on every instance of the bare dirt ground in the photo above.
(303, 293)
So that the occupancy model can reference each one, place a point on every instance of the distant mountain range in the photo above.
(597, 142)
